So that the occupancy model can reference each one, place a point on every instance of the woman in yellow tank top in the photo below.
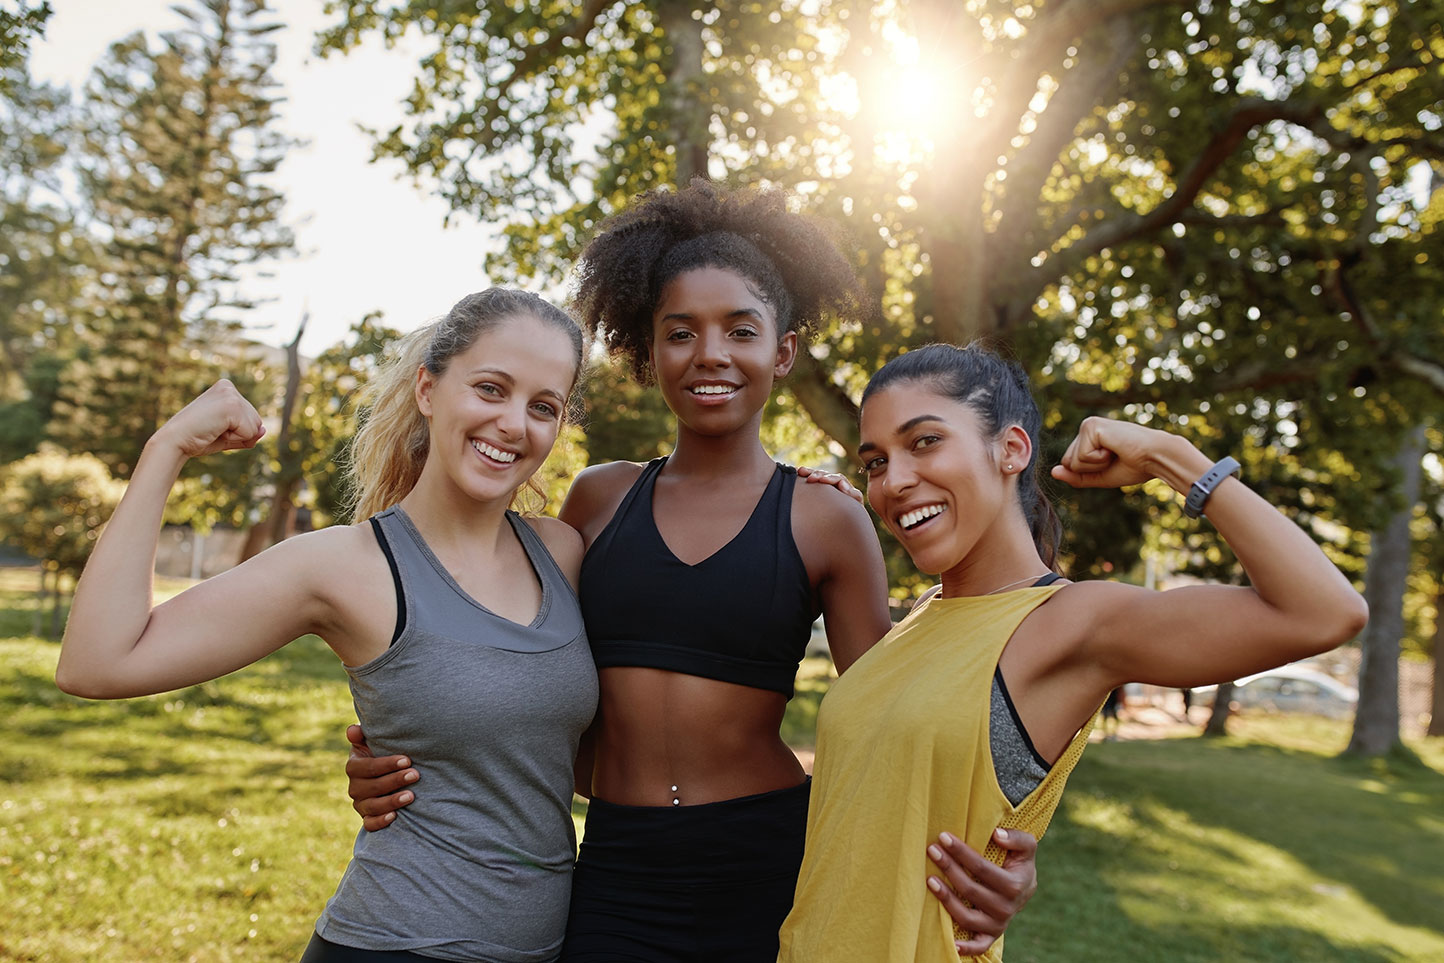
(949, 444)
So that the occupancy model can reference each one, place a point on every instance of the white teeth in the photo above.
(713, 389)
(911, 518)
(496, 454)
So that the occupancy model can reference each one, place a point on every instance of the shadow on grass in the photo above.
(1181, 940)
(1374, 829)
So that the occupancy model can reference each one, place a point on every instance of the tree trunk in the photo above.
(826, 404)
(690, 114)
(277, 525)
(1436, 706)
(1376, 724)
(1217, 724)
(282, 509)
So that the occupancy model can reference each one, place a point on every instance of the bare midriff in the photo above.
(668, 739)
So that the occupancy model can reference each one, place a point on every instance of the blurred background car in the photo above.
(1289, 688)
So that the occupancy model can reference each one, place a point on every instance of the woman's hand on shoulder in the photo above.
(981, 896)
(219, 419)
(816, 476)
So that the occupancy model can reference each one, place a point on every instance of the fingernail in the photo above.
(388, 817)
(406, 797)
(402, 762)
(1002, 835)
(947, 838)
(934, 885)
(411, 776)
(935, 853)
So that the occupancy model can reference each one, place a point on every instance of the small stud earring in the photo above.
(1008, 467)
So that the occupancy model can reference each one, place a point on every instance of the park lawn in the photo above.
(212, 824)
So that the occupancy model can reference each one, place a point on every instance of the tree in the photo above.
(17, 27)
(178, 148)
(1181, 152)
(1218, 216)
(45, 256)
(326, 416)
(52, 506)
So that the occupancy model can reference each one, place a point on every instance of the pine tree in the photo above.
(179, 142)
(44, 257)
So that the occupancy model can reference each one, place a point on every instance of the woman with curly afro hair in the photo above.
(704, 571)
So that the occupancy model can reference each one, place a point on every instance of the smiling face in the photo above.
(937, 482)
(496, 408)
(715, 350)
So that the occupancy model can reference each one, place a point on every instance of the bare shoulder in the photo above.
(822, 508)
(561, 540)
(611, 476)
(345, 556)
(1079, 607)
(595, 495)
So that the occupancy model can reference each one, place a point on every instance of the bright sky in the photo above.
(368, 239)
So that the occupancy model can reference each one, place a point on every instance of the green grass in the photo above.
(212, 825)
(1262, 847)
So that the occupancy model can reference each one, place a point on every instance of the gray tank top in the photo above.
(479, 866)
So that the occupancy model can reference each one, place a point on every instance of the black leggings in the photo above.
(693, 884)
(324, 951)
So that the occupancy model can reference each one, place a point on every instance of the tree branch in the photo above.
(827, 404)
(534, 55)
(1016, 69)
(1245, 116)
(1259, 375)
(1078, 91)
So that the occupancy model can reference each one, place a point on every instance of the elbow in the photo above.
(1354, 617)
(73, 680)
(67, 681)
(1342, 622)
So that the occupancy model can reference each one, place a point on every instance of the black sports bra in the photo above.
(742, 615)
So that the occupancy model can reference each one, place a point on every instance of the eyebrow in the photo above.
(739, 312)
(503, 373)
(903, 428)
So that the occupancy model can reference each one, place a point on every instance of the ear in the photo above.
(425, 382)
(1015, 449)
(786, 355)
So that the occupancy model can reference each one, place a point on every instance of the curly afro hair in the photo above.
(789, 258)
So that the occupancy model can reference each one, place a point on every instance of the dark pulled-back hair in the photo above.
(789, 259)
(999, 392)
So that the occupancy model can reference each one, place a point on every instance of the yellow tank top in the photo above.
(902, 755)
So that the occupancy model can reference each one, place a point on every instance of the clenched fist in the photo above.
(221, 419)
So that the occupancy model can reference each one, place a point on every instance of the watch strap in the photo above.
(1198, 494)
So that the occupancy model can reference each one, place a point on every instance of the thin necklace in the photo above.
(1011, 584)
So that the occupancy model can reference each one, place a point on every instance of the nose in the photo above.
(713, 349)
(511, 419)
(898, 477)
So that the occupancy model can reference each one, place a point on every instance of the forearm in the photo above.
(113, 598)
(1287, 570)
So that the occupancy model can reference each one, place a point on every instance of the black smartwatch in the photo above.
(1198, 494)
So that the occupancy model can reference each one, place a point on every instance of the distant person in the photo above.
(455, 617)
(1110, 712)
(906, 743)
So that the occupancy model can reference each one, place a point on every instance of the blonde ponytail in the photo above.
(390, 446)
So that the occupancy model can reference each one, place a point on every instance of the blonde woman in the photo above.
(456, 619)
